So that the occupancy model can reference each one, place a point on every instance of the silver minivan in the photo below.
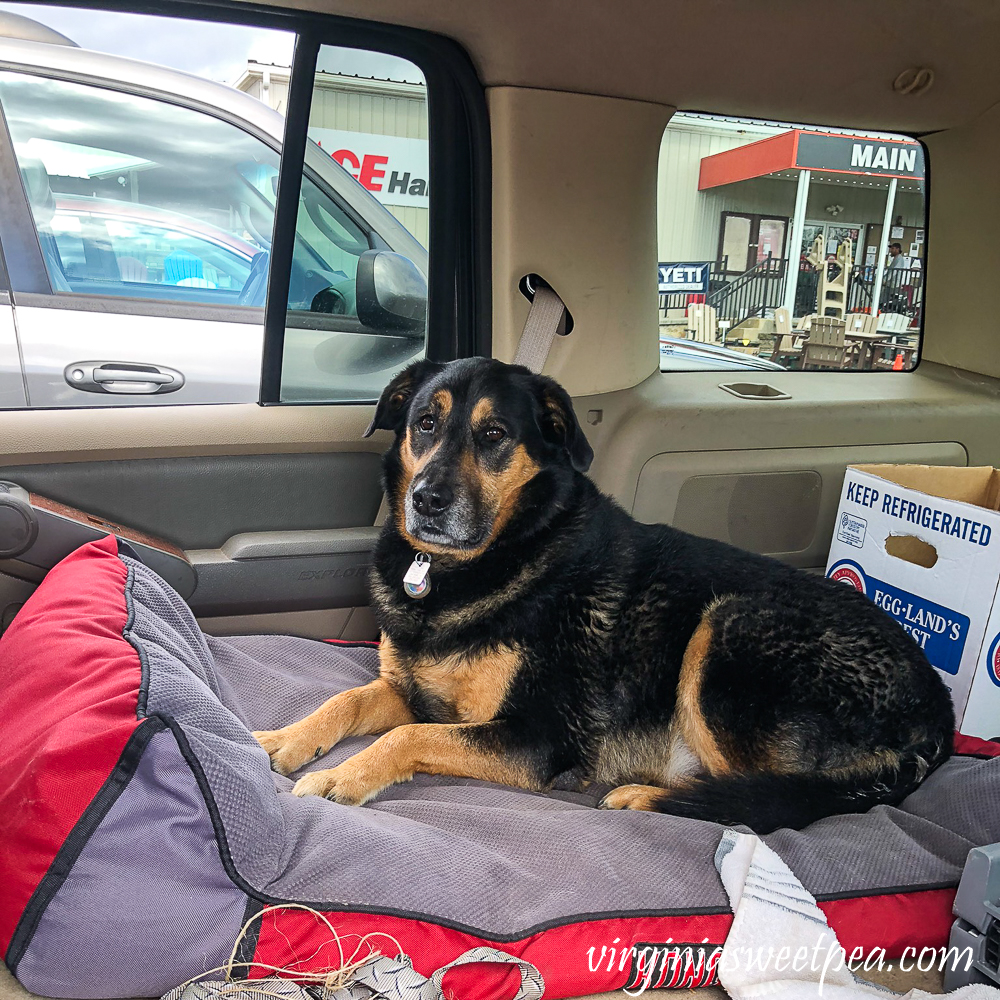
(136, 223)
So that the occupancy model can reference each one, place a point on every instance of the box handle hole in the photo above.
(911, 549)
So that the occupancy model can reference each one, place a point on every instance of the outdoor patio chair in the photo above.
(702, 323)
(860, 323)
(858, 350)
(893, 324)
(826, 346)
(786, 348)
(782, 322)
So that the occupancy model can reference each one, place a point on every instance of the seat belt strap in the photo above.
(540, 328)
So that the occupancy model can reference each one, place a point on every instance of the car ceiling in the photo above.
(790, 60)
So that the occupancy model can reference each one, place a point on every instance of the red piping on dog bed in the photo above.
(562, 954)
(893, 921)
(84, 671)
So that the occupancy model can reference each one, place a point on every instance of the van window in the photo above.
(789, 246)
(145, 194)
(138, 197)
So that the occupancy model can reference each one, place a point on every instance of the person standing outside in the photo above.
(897, 274)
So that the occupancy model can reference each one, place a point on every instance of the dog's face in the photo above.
(477, 443)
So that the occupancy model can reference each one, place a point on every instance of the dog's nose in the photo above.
(432, 500)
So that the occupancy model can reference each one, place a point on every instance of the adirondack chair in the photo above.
(787, 349)
(702, 323)
(826, 346)
(893, 324)
(861, 335)
(831, 293)
(860, 323)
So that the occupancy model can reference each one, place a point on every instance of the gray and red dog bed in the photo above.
(141, 826)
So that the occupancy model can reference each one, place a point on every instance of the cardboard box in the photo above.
(923, 542)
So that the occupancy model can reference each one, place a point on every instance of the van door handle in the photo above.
(122, 377)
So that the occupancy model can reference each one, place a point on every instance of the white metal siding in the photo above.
(688, 220)
(375, 114)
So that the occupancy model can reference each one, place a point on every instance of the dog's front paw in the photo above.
(288, 748)
(348, 784)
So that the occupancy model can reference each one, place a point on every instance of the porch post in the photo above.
(883, 247)
(795, 241)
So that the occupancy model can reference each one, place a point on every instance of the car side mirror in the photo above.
(391, 292)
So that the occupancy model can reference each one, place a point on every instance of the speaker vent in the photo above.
(767, 512)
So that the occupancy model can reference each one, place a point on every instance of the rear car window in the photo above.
(789, 246)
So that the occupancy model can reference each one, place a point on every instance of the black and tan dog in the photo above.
(556, 634)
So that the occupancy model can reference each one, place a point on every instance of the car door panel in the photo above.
(11, 380)
(219, 360)
(274, 571)
(775, 501)
(766, 474)
(273, 506)
(263, 533)
(200, 503)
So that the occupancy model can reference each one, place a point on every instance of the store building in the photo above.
(376, 129)
(742, 201)
(752, 199)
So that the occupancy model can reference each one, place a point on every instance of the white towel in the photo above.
(780, 945)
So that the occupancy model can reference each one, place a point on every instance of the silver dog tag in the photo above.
(416, 582)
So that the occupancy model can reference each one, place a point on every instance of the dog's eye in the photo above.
(426, 422)
(494, 434)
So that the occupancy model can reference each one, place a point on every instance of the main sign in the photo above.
(859, 155)
(394, 169)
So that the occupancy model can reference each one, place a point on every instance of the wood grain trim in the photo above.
(101, 524)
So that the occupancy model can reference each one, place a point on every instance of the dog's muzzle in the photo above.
(436, 513)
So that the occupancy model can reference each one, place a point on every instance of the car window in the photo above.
(146, 251)
(328, 242)
(150, 178)
(138, 197)
(789, 246)
(125, 209)
(378, 276)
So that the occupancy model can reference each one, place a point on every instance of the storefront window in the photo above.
(789, 246)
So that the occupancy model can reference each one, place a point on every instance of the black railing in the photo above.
(753, 293)
(902, 289)
(805, 290)
(760, 290)
(859, 294)
(681, 300)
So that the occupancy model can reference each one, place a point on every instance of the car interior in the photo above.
(276, 504)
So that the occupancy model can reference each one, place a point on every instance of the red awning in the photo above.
(802, 149)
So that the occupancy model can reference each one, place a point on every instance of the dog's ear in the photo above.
(559, 424)
(390, 413)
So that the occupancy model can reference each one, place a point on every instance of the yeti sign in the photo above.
(690, 276)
